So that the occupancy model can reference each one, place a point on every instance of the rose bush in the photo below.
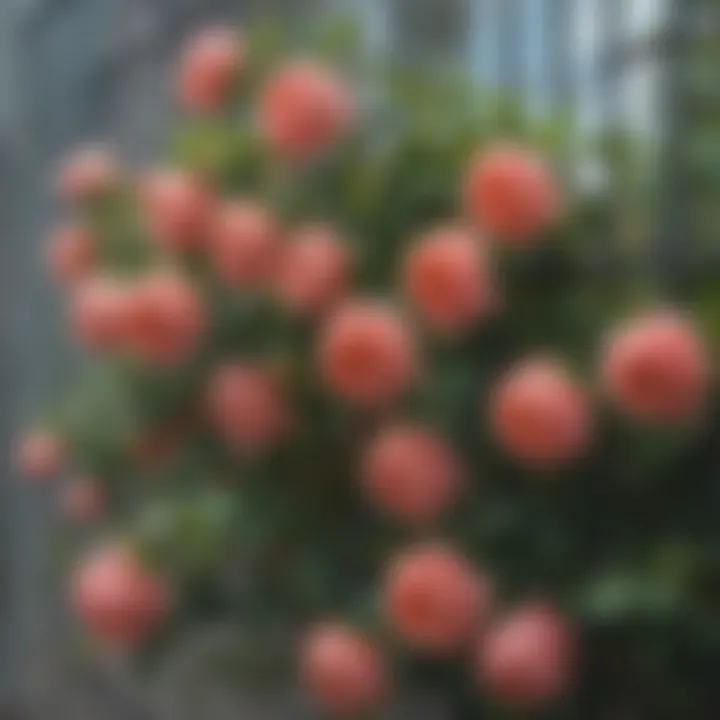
(353, 344)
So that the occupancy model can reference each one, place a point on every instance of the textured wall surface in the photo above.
(70, 70)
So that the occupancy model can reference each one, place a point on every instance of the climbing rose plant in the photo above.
(353, 369)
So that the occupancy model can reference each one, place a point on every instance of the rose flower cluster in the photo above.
(435, 599)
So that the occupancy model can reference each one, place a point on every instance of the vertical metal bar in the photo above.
(7, 211)
(535, 58)
(673, 228)
(593, 80)
(558, 31)
(488, 37)
(613, 58)
(611, 66)
(430, 28)
(510, 66)
(483, 49)
(376, 25)
(524, 53)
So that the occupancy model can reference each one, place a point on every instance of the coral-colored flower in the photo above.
(656, 368)
(314, 271)
(71, 254)
(343, 669)
(539, 415)
(38, 455)
(244, 243)
(117, 599)
(411, 474)
(166, 319)
(177, 207)
(99, 312)
(247, 407)
(527, 658)
(448, 279)
(366, 354)
(87, 174)
(304, 109)
(208, 68)
(511, 192)
(83, 500)
(434, 599)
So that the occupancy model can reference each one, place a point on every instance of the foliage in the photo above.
(625, 541)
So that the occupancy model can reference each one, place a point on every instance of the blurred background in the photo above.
(73, 70)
